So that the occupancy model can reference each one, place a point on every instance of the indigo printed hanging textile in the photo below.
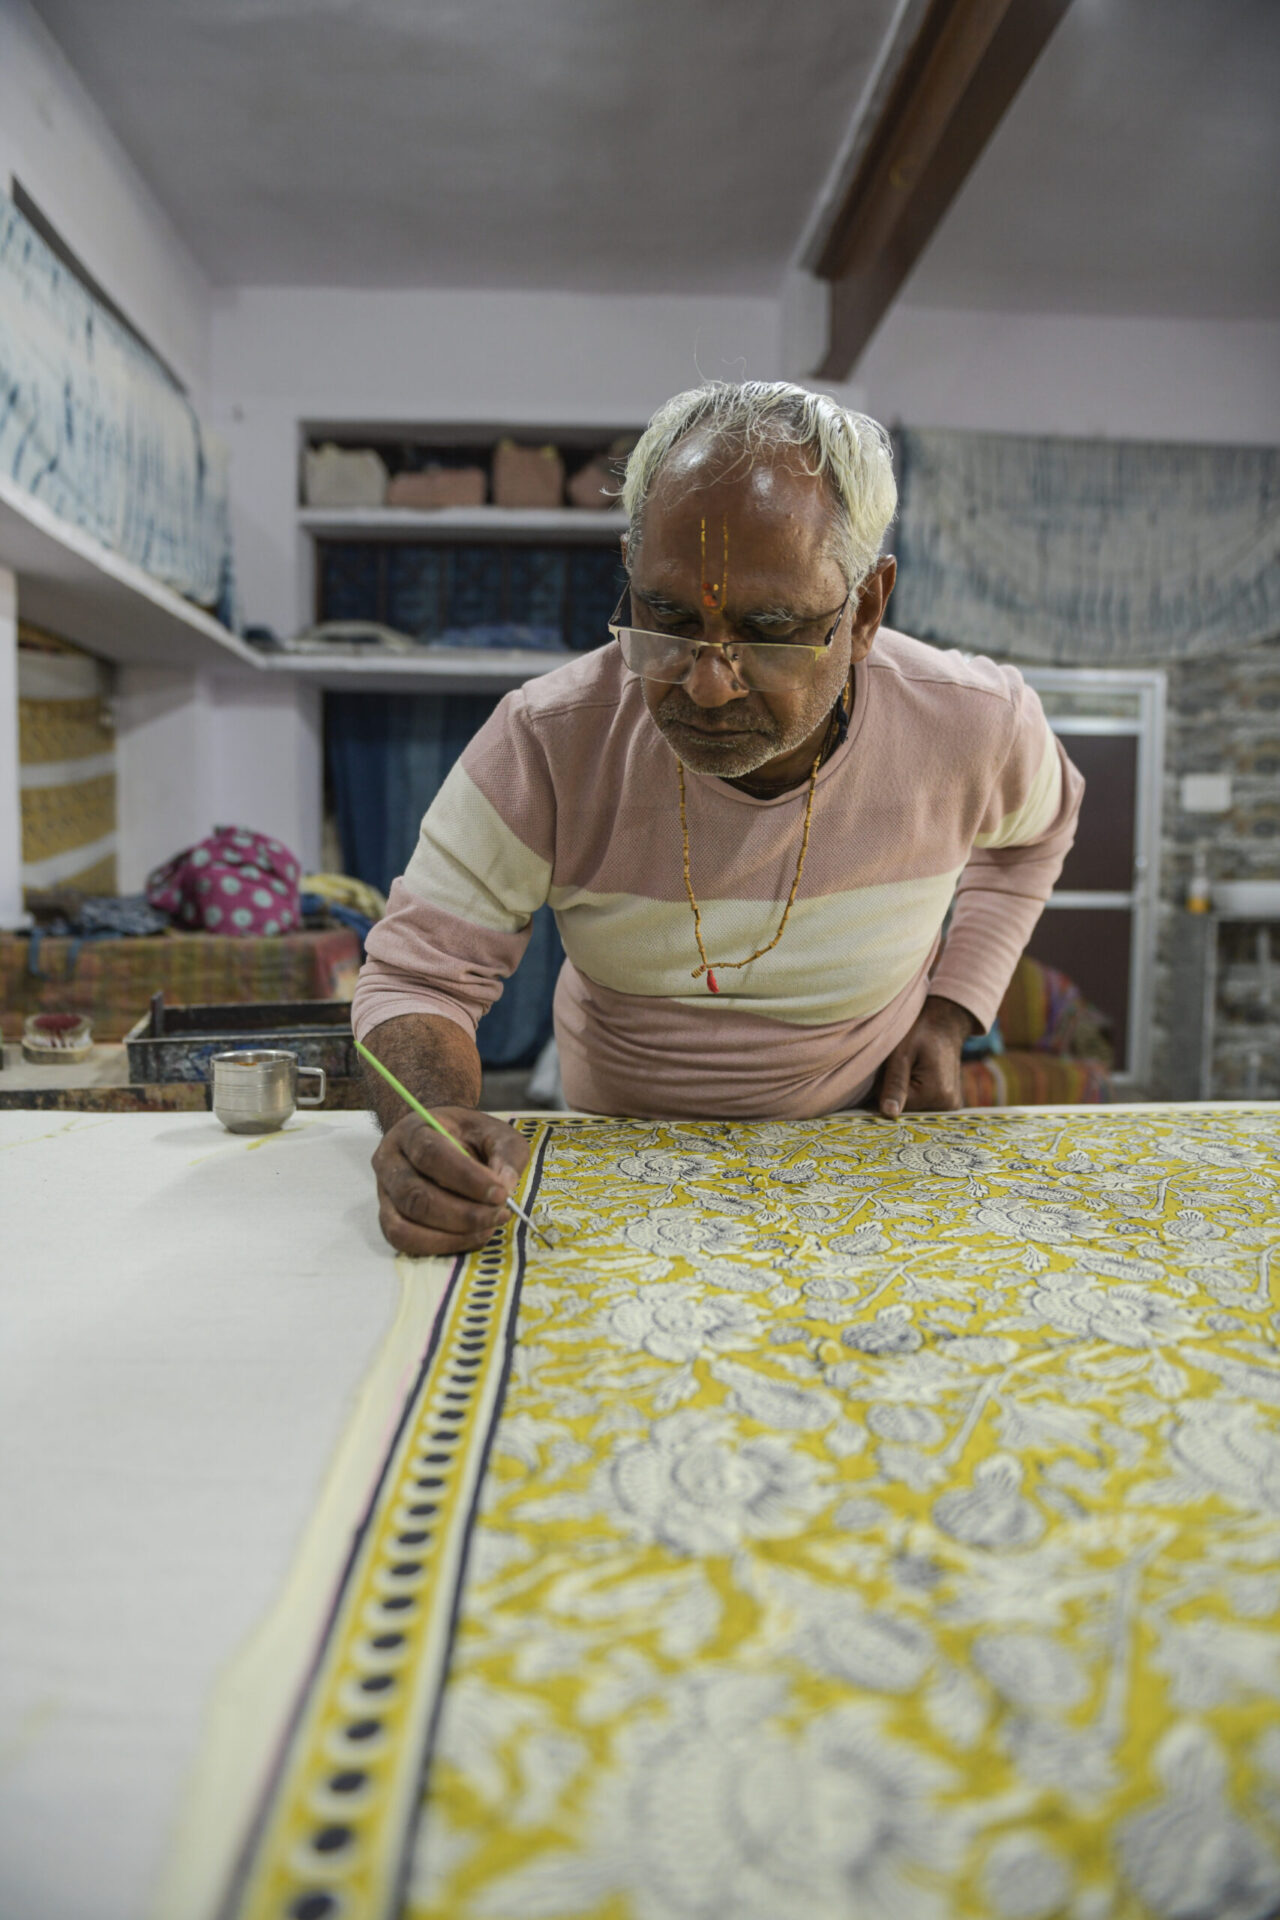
(1086, 552)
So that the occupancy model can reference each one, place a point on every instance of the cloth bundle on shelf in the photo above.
(236, 882)
(352, 903)
(527, 476)
(437, 487)
(503, 636)
(594, 487)
(344, 477)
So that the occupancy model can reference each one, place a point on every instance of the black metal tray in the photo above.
(177, 1043)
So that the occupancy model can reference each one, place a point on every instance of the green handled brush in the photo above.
(453, 1140)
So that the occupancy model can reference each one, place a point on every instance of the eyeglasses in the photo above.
(763, 666)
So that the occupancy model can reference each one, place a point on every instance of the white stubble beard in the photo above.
(734, 760)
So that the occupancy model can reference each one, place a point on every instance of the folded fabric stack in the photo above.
(503, 634)
(1055, 1048)
(352, 903)
(111, 981)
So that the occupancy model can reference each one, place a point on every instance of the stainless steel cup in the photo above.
(256, 1091)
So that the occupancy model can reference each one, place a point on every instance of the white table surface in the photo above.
(106, 1066)
(185, 1319)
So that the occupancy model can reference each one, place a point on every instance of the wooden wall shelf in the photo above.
(434, 670)
(71, 584)
(461, 523)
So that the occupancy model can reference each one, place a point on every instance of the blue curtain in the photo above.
(387, 756)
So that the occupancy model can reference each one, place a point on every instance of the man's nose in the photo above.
(712, 682)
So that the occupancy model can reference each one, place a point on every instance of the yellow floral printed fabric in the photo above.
(881, 1523)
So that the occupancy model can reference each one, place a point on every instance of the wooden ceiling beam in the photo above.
(960, 75)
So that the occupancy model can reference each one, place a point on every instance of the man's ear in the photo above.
(625, 543)
(873, 598)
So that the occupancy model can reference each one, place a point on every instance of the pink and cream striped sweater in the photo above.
(950, 786)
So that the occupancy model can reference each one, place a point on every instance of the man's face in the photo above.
(780, 583)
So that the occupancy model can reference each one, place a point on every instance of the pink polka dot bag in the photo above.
(235, 882)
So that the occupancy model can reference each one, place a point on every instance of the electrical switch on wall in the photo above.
(1205, 793)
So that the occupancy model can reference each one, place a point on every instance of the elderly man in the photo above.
(751, 815)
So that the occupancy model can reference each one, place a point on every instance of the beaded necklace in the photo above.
(841, 720)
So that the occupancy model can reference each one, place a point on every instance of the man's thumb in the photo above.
(895, 1085)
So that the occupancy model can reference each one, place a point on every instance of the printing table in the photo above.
(873, 1514)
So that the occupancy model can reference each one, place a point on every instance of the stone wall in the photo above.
(1223, 717)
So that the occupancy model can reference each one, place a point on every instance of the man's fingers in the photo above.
(926, 1093)
(896, 1083)
(935, 1081)
(406, 1236)
(922, 1074)
(420, 1200)
(452, 1168)
(504, 1150)
(932, 1093)
(437, 1197)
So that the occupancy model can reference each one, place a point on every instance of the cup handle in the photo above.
(315, 1099)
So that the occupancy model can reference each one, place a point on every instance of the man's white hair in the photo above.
(849, 451)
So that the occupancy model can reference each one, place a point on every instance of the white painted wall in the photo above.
(1089, 376)
(196, 751)
(281, 355)
(55, 139)
(179, 759)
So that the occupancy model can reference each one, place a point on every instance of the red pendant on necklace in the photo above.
(712, 983)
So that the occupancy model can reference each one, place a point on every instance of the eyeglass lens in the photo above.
(765, 667)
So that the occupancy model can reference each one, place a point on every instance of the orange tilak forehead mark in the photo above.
(715, 593)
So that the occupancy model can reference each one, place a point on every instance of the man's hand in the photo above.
(431, 1199)
(922, 1074)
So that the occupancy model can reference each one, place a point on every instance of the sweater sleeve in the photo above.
(1025, 835)
(458, 920)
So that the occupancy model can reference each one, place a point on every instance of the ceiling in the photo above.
(683, 145)
(669, 145)
(1137, 171)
